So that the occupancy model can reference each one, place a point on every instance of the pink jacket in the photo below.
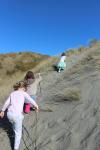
(16, 100)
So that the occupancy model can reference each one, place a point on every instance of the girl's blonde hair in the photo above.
(20, 84)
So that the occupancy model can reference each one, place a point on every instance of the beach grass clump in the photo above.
(72, 94)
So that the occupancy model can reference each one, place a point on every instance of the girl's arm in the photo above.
(30, 100)
(7, 103)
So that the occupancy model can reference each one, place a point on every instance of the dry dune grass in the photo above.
(76, 51)
(15, 62)
(72, 94)
(92, 56)
(81, 49)
(7, 84)
(69, 94)
(46, 65)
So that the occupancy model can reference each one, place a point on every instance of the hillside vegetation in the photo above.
(13, 62)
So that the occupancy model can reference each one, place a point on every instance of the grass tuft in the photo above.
(72, 94)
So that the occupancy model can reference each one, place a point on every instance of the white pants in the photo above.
(17, 127)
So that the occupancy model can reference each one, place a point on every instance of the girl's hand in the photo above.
(2, 114)
(37, 109)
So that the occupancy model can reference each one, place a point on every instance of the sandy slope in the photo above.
(62, 124)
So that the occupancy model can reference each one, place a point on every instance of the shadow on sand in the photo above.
(6, 126)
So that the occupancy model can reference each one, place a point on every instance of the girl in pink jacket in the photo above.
(14, 105)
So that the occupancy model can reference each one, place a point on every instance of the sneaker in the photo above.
(59, 70)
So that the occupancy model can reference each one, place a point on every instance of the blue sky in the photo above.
(47, 26)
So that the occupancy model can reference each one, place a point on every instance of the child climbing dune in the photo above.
(61, 64)
(32, 87)
(14, 105)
